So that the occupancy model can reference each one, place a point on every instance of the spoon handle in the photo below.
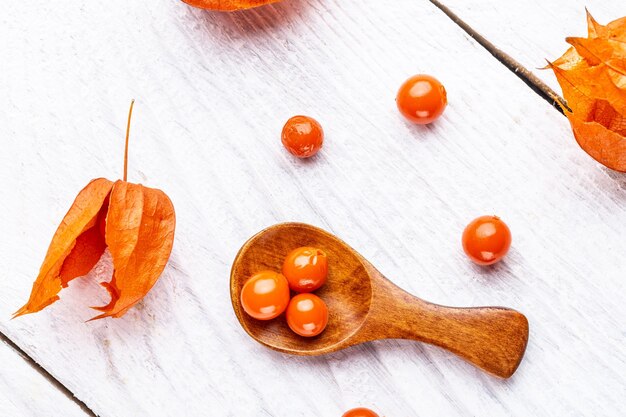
(492, 338)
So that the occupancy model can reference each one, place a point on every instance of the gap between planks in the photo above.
(44, 373)
(530, 79)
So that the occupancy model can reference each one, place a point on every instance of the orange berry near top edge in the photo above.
(486, 240)
(360, 412)
(306, 269)
(265, 295)
(307, 315)
(422, 99)
(303, 136)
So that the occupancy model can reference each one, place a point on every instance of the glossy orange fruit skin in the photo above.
(303, 136)
(265, 295)
(422, 99)
(307, 315)
(486, 240)
(306, 269)
(360, 412)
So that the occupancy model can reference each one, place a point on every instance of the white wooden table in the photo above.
(213, 91)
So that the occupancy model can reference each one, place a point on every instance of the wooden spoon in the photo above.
(365, 306)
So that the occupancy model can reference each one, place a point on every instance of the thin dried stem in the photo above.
(130, 114)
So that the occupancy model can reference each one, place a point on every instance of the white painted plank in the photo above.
(25, 393)
(213, 91)
(532, 31)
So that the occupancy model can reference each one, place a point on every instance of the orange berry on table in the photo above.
(486, 240)
(306, 269)
(265, 295)
(422, 99)
(302, 136)
(307, 315)
(360, 412)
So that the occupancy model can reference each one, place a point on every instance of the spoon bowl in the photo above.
(364, 306)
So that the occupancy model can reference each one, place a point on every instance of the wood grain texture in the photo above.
(213, 92)
(25, 393)
(365, 306)
(533, 31)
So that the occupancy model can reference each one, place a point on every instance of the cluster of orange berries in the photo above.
(421, 99)
(266, 295)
